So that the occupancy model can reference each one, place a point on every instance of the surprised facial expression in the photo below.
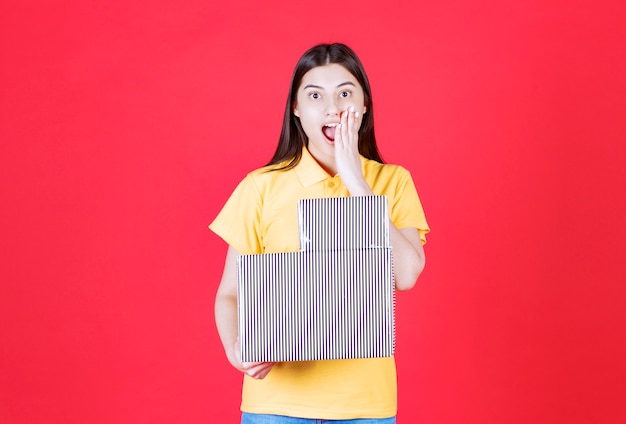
(324, 93)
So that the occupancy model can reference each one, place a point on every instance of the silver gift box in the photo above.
(334, 299)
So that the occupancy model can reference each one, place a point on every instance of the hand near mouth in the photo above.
(347, 159)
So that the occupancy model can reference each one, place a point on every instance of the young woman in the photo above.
(327, 148)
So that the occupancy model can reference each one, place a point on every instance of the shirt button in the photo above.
(331, 184)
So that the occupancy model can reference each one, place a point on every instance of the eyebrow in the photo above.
(321, 88)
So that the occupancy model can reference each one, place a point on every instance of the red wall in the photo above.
(124, 126)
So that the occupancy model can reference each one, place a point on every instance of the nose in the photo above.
(331, 107)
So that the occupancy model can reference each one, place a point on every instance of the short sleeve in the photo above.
(406, 207)
(239, 221)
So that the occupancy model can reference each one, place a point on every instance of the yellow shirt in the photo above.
(261, 216)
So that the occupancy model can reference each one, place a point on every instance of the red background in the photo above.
(124, 126)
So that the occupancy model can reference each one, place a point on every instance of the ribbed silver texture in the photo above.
(340, 223)
(334, 299)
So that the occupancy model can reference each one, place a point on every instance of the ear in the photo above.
(364, 110)
(296, 112)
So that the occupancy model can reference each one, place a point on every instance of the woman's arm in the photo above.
(408, 256)
(408, 253)
(226, 319)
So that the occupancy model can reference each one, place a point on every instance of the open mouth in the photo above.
(329, 131)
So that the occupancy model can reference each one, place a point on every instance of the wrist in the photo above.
(359, 188)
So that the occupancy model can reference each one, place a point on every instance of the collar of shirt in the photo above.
(309, 172)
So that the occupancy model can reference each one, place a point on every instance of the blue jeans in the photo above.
(247, 418)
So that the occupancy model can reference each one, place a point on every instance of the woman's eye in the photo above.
(314, 96)
(344, 94)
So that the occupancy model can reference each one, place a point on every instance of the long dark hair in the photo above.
(292, 137)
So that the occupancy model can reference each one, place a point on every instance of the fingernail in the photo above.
(351, 108)
(356, 115)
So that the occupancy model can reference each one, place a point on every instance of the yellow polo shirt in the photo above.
(261, 216)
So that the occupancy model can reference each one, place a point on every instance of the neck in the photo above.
(327, 164)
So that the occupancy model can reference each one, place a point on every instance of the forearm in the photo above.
(226, 309)
(227, 327)
(408, 256)
(226, 320)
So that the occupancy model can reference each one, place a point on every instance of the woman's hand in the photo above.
(347, 159)
(256, 370)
